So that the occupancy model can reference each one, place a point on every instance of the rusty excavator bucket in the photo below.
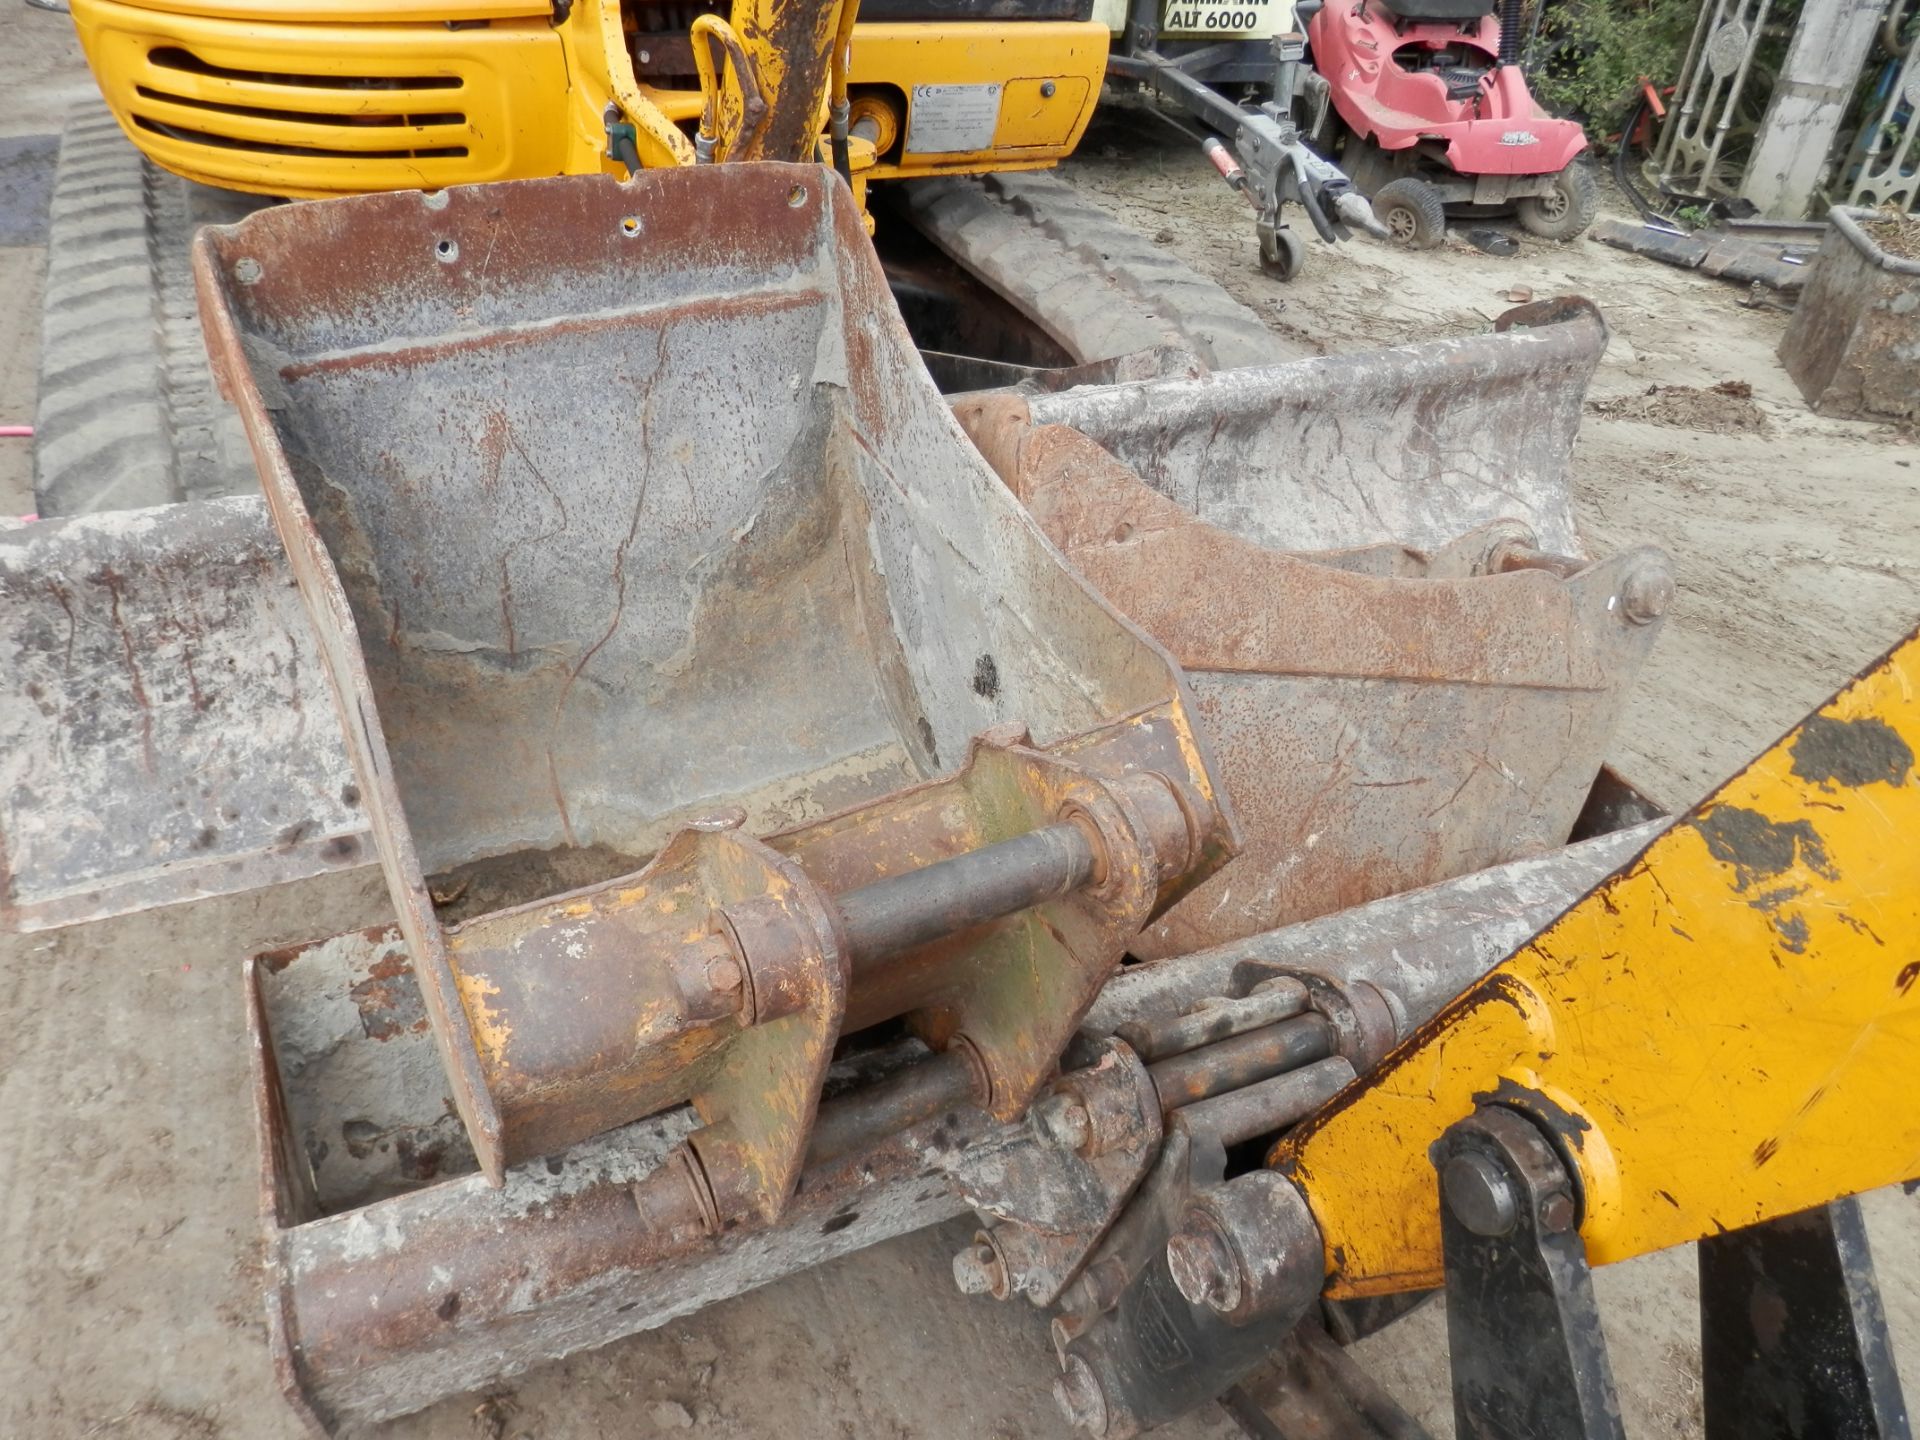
(770, 766)
(629, 524)
(1367, 566)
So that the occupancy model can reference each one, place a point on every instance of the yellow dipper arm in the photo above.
(1725, 1031)
(789, 46)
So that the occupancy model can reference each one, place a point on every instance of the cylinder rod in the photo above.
(1244, 1060)
(903, 912)
(1272, 1104)
(1158, 1037)
(869, 1115)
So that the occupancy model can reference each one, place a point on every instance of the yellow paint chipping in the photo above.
(491, 1032)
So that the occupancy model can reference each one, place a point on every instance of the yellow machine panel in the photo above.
(328, 97)
(1722, 1033)
(982, 95)
(395, 12)
(310, 110)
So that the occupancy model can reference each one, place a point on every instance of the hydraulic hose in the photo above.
(1620, 176)
(839, 106)
(1311, 202)
(715, 45)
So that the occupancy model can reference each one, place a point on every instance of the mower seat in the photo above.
(1454, 10)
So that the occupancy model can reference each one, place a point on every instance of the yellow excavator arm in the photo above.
(1721, 1034)
(1714, 1045)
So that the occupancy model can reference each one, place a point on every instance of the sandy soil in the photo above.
(129, 1294)
(23, 270)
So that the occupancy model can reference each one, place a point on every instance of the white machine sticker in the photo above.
(1228, 19)
(952, 119)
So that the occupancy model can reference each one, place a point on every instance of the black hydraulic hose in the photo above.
(1620, 176)
(1311, 202)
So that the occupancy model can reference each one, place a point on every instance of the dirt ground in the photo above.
(129, 1294)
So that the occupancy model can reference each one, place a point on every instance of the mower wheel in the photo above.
(1564, 210)
(1284, 255)
(1412, 210)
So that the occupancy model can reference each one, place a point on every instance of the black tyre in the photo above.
(1412, 210)
(1564, 210)
(1284, 256)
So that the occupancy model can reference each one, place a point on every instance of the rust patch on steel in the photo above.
(279, 957)
(389, 1000)
(789, 43)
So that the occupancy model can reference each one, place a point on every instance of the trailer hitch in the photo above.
(1280, 168)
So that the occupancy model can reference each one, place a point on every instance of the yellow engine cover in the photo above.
(299, 107)
(332, 97)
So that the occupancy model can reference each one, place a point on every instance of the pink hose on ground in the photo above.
(16, 432)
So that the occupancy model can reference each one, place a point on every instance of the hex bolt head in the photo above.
(1106, 1282)
(1203, 1265)
(1556, 1213)
(1080, 1397)
(1479, 1194)
(1646, 594)
(979, 1270)
(1064, 1120)
(723, 974)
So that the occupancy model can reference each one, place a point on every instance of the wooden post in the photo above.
(1792, 150)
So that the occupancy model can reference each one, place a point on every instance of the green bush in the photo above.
(1591, 54)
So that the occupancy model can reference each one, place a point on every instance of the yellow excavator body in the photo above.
(334, 97)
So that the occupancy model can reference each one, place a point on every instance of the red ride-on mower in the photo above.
(1437, 113)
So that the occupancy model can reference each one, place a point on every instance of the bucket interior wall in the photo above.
(366, 1107)
(639, 522)
(1413, 445)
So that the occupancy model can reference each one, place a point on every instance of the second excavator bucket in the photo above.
(1368, 567)
(164, 732)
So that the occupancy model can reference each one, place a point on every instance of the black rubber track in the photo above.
(128, 415)
(1096, 286)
